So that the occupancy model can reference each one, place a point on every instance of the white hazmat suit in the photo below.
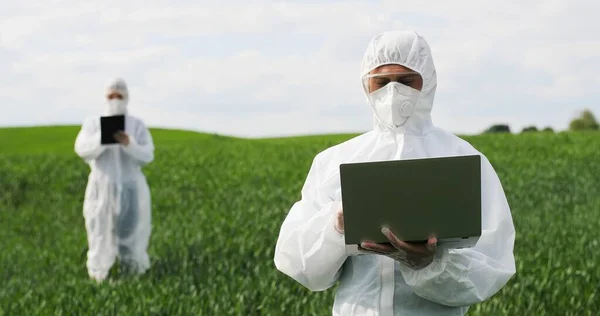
(311, 251)
(117, 208)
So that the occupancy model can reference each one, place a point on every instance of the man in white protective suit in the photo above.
(117, 208)
(399, 79)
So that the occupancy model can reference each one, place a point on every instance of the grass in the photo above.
(218, 203)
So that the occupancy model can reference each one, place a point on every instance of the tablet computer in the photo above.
(109, 125)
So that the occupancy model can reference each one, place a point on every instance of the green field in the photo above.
(218, 203)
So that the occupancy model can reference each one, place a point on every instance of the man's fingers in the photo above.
(339, 222)
(383, 249)
(401, 245)
(120, 136)
(370, 251)
(363, 250)
(432, 244)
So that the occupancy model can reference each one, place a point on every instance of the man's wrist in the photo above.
(412, 261)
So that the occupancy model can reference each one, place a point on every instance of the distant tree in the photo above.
(577, 125)
(585, 122)
(589, 120)
(498, 128)
(530, 129)
(548, 130)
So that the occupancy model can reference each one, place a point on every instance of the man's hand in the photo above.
(122, 138)
(416, 256)
(339, 221)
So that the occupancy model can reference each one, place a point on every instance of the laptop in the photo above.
(109, 126)
(414, 198)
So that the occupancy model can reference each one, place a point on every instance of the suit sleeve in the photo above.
(309, 249)
(87, 143)
(141, 145)
(462, 277)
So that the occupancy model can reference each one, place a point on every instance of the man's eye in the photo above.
(382, 82)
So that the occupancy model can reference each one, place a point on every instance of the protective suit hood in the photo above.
(116, 107)
(408, 49)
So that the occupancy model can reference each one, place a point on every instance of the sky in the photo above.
(281, 68)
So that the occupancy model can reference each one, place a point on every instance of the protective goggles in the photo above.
(379, 80)
(114, 95)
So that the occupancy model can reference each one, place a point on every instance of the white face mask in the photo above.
(116, 107)
(394, 103)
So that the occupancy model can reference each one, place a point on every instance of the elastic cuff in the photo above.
(438, 260)
(132, 141)
(132, 145)
(437, 265)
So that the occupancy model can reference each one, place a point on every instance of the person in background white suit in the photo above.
(117, 204)
(399, 80)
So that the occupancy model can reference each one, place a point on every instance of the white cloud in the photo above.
(263, 67)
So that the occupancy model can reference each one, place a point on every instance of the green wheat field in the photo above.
(218, 203)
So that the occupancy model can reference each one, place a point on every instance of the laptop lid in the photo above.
(414, 198)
